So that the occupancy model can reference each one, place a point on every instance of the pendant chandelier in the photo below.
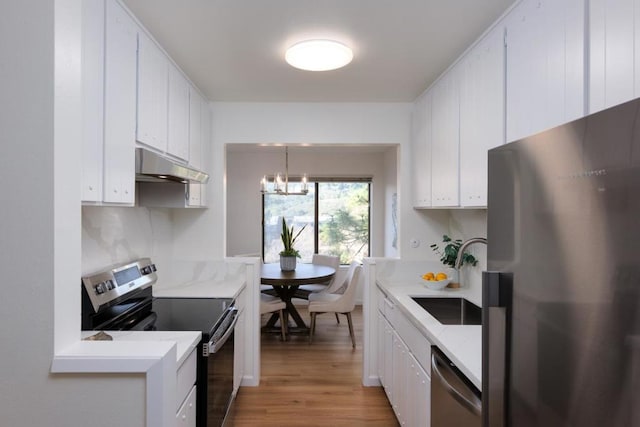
(280, 183)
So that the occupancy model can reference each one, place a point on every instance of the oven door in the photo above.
(218, 374)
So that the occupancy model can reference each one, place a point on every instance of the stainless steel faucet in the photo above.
(464, 246)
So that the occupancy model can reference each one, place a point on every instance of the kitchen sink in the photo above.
(451, 311)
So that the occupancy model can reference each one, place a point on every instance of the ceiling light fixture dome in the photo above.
(318, 55)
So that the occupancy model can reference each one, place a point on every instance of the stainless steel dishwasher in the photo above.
(455, 402)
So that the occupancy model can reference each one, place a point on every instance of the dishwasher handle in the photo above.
(443, 371)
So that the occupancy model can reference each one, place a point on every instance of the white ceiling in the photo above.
(234, 49)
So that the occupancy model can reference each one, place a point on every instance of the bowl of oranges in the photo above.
(436, 280)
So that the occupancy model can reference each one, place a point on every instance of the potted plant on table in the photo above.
(448, 256)
(289, 254)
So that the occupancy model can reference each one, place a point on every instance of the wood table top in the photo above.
(302, 275)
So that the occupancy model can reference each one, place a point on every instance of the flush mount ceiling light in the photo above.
(318, 55)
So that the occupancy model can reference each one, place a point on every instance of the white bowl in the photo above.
(437, 284)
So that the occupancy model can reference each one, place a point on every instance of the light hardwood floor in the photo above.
(313, 385)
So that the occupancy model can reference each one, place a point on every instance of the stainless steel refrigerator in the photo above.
(561, 297)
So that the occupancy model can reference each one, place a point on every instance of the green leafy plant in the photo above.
(288, 239)
(449, 253)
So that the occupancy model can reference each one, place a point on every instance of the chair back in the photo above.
(347, 301)
(329, 261)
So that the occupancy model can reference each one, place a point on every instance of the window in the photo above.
(335, 216)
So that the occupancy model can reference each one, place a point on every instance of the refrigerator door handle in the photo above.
(497, 288)
(474, 407)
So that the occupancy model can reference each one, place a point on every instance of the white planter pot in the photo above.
(287, 263)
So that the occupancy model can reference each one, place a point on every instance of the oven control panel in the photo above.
(109, 285)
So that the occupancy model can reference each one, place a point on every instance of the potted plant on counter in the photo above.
(449, 254)
(289, 254)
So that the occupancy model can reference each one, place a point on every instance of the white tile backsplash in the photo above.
(114, 235)
(465, 224)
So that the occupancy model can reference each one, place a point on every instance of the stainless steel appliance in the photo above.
(455, 402)
(120, 298)
(154, 167)
(561, 299)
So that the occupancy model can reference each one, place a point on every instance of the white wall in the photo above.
(245, 168)
(40, 259)
(390, 206)
(312, 123)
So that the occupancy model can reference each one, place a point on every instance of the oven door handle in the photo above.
(214, 347)
(148, 323)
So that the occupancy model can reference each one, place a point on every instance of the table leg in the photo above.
(286, 293)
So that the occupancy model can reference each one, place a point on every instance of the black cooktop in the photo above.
(189, 314)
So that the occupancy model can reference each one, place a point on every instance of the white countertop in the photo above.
(185, 341)
(228, 288)
(461, 344)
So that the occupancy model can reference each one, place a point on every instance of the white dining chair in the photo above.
(304, 291)
(271, 304)
(338, 303)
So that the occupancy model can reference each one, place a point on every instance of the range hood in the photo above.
(154, 167)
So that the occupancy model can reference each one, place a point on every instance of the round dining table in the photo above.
(286, 283)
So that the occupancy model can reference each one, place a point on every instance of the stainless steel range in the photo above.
(121, 298)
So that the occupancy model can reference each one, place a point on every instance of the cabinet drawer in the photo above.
(185, 378)
(381, 297)
(186, 416)
(386, 306)
(418, 344)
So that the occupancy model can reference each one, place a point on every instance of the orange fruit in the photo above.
(441, 276)
(428, 276)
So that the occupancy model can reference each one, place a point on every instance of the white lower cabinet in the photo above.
(385, 355)
(419, 386)
(402, 352)
(186, 391)
(186, 416)
(399, 379)
(238, 342)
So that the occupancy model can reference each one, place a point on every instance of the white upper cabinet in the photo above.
(178, 122)
(614, 52)
(132, 91)
(454, 125)
(153, 79)
(92, 99)
(421, 151)
(198, 114)
(205, 143)
(195, 128)
(481, 114)
(119, 105)
(545, 65)
(109, 103)
(445, 143)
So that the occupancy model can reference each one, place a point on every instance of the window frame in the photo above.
(315, 181)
